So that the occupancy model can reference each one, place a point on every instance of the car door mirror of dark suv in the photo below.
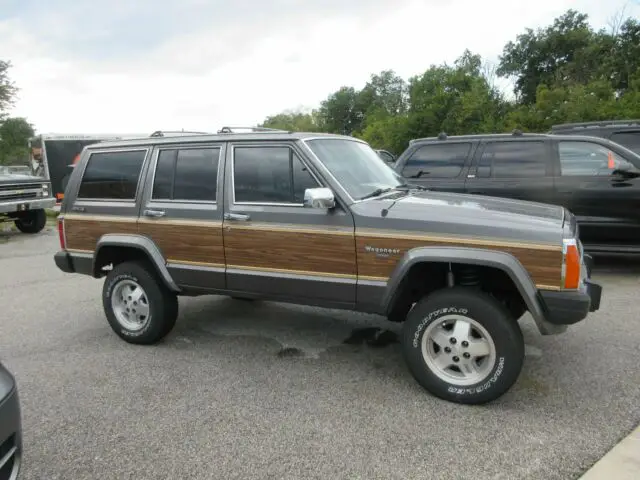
(319, 198)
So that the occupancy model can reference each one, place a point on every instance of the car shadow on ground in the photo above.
(296, 333)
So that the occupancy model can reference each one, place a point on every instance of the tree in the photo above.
(294, 121)
(8, 90)
(14, 137)
(565, 72)
(539, 57)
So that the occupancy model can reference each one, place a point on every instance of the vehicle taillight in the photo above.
(571, 264)
(61, 236)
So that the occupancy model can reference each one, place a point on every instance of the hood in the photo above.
(18, 178)
(443, 213)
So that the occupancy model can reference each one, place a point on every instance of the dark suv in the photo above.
(624, 132)
(322, 220)
(596, 179)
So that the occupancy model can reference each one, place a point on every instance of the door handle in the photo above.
(154, 213)
(237, 216)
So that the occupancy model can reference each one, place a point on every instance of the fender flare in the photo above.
(142, 243)
(474, 256)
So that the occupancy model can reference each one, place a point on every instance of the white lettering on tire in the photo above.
(480, 388)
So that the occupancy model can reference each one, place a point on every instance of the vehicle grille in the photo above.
(8, 451)
(27, 191)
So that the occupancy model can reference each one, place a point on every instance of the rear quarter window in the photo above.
(112, 175)
(631, 140)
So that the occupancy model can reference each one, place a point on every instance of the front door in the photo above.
(439, 166)
(181, 213)
(274, 246)
(606, 205)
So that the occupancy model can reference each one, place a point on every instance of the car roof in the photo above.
(159, 138)
(597, 125)
(503, 136)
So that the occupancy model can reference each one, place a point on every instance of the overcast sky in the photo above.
(86, 66)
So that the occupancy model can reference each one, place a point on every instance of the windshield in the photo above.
(355, 165)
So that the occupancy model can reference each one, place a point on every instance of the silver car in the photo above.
(10, 427)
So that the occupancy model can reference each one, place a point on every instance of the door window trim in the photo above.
(187, 146)
(291, 149)
(138, 191)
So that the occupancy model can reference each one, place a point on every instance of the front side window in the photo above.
(269, 174)
(513, 159)
(437, 161)
(588, 159)
(355, 165)
(112, 175)
(188, 174)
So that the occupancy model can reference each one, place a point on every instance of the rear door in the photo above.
(519, 169)
(439, 166)
(606, 205)
(182, 212)
(105, 196)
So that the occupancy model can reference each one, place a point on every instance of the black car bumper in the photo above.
(64, 262)
(567, 308)
(10, 427)
(74, 262)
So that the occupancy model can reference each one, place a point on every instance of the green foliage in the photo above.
(565, 72)
(14, 132)
(14, 136)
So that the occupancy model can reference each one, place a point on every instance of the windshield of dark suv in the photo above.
(356, 166)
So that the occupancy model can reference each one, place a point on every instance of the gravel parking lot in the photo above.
(262, 390)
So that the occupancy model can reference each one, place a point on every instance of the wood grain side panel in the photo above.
(195, 242)
(544, 266)
(290, 250)
(84, 233)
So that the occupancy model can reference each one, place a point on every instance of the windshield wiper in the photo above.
(377, 192)
(410, 186)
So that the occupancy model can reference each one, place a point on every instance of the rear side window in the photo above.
(112, 175)
(513, 159)
(189, 174)
(631, 140)
(437, 161)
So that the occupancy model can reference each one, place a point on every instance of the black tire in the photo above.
(502, 329)
(163, 303)
(32, 221)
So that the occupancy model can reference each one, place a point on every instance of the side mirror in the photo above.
(319, 198)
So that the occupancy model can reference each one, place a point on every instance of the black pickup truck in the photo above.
(598, 180)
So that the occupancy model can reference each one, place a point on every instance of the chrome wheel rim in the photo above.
(458, 350)
(130, 305)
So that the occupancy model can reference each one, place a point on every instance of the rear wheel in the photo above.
(139, 307)
(463, 346)
(32, 221)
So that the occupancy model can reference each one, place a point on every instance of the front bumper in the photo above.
(10, 427)
(569, 307)
(27, 204)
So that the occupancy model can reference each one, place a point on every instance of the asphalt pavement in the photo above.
(256, 390)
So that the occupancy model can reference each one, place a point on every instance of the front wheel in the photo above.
(463, 346)
(32, 221)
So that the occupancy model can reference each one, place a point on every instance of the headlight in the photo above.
(45, 189)
(571, 263)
